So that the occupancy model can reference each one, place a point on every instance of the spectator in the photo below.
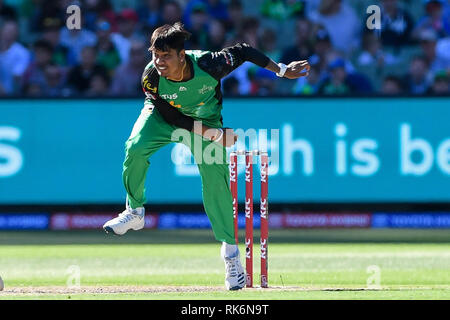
(443, 53)
(80, 76)
(336, 84)
(55, 81)
(7, 12)
(301, 50)
(446, 15)
(434, 19)
(312, 6)
(441, 84)
(230, 86)
(75, 40)
(35, 73)
(417, 79)
(199, 28)
(216, 35)
(127, 22)
(150, 15)
(308, 85)
(324, 54)
(62, 56)
(215, 9)
(171, 12)
(98, 85)
(44, 10)
(282, 9)
(236, 17)
(341, 22)
(107, 54)
(396, 25)
(14, 58)
(392, 85)
(263, 83)
(127, 78)
(33, 90)
(94, 10)
(268, 45)
(373, 54)
(250, 31)
(436, 51)
(340, 81)
(359, 83)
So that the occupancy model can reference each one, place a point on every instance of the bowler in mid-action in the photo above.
(183, 88)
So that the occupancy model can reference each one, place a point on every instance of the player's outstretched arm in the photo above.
(293, 70)
(220, 64)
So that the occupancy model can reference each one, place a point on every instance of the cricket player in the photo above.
(182, 89)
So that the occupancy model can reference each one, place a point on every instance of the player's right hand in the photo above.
(229, 137)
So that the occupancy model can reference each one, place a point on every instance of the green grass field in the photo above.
(156, 264)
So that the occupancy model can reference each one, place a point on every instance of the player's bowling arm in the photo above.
(174, 117)
(219, 64)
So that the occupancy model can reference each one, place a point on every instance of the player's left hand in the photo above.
(297, 69)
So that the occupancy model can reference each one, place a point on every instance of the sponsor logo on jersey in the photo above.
(172, 96)
(147, 85)
(205, 89)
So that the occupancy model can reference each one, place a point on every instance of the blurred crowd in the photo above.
(410, 54)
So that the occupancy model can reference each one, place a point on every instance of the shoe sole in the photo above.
(111, 230)
(235, 288)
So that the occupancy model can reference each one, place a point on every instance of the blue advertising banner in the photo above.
(24, 221)
(411, 220)
(321, 150)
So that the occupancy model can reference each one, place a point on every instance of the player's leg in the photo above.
(211, 159)
(149, 134)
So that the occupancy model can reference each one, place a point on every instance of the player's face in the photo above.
(168, 63)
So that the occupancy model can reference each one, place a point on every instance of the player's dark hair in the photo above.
(169, 37)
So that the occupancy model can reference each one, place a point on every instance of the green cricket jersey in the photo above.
(199, 98)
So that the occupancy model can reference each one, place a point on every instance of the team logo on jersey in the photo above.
(172, 96)
(183, 89)
(205, 89)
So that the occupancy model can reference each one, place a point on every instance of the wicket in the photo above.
(249, 211)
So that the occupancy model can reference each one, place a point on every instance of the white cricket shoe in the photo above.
(128, 219)
(234, 272)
